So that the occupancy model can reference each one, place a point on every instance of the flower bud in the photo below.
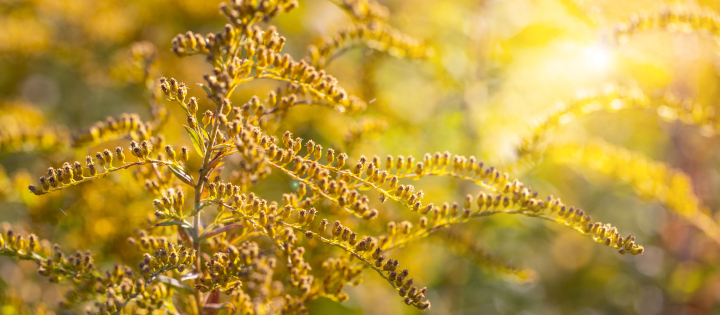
(207, 118)
(184, 154)
(192, 105)
(170, 152)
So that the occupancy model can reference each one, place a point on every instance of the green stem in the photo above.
(204, 172)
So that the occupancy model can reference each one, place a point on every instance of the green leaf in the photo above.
(182, 175)
(197, 143)
(218, 306)
(173, 222)
(217, 163)
(220, 230)
(190, 276)
(175, 284)
(205, 134)
(207, 89)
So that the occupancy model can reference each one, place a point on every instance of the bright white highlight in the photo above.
(597, 58)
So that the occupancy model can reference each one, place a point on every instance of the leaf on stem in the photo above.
(218, 306)
(197, 143)
(220, 230)
(175, 284)
(173, 222)
(182, 175)
(207, 89)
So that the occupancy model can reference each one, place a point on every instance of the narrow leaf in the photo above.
(175, 284)
(217, 160)
(190, 276)
(207, 89)
(205, 134)
(173, 222)
(220, 230)
(217, 166)
(218, 306)
(197, 143)
(182, 175)
(184, 234)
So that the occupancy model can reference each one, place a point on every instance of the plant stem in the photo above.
(204, 172)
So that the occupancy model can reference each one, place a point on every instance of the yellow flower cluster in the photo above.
(375, 35)
(73, 174)
(363, 10)
(368, 251)
(125, 125)
(23, 129)
(651, 179)
(509, 197)
(46, 140)
(166, 257)
(261, 50)
(680, 19)
(216, 231)
(615, 98)
(117, 287)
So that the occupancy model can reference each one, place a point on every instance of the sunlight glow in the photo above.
(597, 58)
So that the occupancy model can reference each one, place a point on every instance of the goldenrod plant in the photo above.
(283, 164)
